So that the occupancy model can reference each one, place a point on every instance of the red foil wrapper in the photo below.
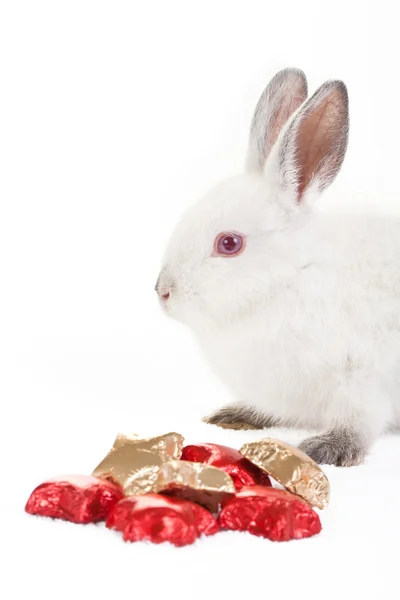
(76, 498)
(243, 472)
(271, 513)
(158, 519)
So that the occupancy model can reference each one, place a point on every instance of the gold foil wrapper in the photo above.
(134, 462)
(169, 445)
(198, 482)
(292, 468)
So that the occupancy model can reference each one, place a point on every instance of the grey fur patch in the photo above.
(236, 416)
(339, 447)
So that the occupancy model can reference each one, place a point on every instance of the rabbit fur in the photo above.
(303, 326)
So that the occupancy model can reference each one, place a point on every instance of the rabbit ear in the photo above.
(282, 96)
(313, 147)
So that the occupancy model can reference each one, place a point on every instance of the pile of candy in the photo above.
(156, 489)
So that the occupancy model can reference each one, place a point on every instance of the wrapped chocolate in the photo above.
(292, 468)
(158, 519)
(154, 489)
(76, 498)
(169, 445)
(271, 513)
(198, 482)
(242, 471)
(134, 462)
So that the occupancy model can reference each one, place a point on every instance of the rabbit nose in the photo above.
(163, 294)
(163, 289)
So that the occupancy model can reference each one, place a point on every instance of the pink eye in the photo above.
(228, 244)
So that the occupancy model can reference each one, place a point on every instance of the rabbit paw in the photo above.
(342, 448)
(236, 416)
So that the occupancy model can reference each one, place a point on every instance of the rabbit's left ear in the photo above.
(310, 152)
(284, 94)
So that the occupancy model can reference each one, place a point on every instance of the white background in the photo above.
(115, 116)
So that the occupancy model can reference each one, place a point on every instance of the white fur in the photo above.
(304, 325)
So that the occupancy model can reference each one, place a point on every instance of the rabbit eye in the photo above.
(228, 244)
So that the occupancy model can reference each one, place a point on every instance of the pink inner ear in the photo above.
(321, 141)
(281, 115)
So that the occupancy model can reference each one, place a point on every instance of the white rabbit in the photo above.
(297, 310)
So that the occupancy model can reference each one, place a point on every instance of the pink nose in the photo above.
(164, 287)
